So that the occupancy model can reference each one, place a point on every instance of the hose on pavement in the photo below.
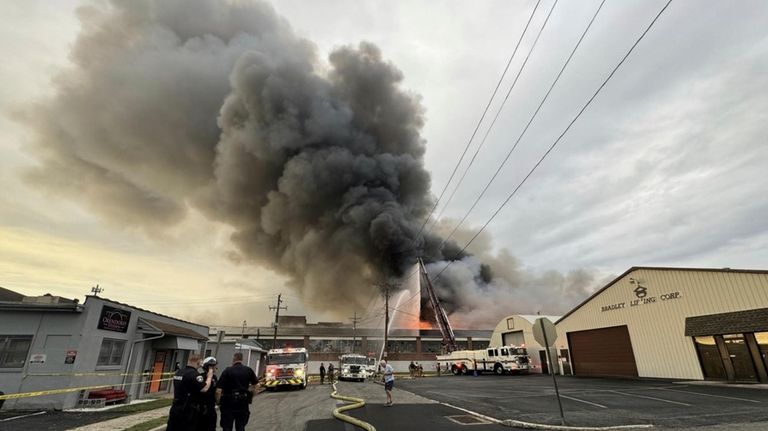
(356, 404)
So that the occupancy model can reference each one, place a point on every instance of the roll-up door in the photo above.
(602, 352)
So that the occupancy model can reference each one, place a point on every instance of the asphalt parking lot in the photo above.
(596, 402)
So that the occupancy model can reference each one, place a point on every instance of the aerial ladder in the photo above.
(449, 339)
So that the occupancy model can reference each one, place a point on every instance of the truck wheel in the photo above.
(464, 370)
(498, 369)
(455, 370)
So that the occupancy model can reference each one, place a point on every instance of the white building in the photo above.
(517, 330)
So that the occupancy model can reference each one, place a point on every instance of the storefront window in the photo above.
(742, 361)
(711, 363)
(762, 343)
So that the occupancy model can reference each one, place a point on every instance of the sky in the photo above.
(665, 168)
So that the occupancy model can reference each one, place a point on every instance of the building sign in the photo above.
(114, 319)
(70, 357)
(642, 298)
(37, 358)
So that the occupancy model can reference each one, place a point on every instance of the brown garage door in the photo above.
(602, 352)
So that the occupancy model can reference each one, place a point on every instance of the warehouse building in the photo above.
(672, 323)
(48, 342)
(327, 341)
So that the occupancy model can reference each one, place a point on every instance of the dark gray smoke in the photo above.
(218, 107)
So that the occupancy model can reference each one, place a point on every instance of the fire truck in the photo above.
(356, 367)
(498, 360)
(287, 367)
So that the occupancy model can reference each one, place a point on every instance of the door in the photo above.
(157, 371)
(743, 367)
(605, 352)
(543, 360)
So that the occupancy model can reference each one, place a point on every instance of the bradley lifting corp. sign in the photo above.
(641, 293)
(114, 319)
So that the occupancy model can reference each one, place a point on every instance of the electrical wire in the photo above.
(528, 125)
(560, 137)
(477, 127)
(495, 118)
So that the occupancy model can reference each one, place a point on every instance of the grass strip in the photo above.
(148, 425)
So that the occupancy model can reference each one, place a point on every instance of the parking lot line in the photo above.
(653, 398)
(710, 395)
(584, 401)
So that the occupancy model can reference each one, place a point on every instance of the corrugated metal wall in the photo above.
(657, 329)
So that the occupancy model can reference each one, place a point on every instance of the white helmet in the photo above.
(209, 361)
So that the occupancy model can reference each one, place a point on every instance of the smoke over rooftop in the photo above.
(317, 164)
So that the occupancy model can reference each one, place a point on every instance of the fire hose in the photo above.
(356, 404)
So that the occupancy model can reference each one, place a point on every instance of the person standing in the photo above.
(322, 373)
(330, 373)
(208, 412)
(188, 385)
(438, 369)
(412, 369)
(389, 380)
(235, 392)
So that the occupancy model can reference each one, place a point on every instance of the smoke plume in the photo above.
(317, 164)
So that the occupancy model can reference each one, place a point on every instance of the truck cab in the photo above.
(353, 367)
(287, 367)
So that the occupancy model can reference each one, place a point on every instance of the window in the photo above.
(711, 362)
(401, 346)
(504, 352)
(480, 344)
(111, 352)
(14, 350)
(432, 347)
(490, 352)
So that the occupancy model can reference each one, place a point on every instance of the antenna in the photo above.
(96, 290)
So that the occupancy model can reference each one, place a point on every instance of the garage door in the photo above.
(602, 352)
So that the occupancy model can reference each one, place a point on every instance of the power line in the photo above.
(560, 137)
(495, 118)
(477, 126)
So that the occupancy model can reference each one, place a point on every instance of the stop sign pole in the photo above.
(550, 327)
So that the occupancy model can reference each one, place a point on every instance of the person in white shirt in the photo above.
(389, 380)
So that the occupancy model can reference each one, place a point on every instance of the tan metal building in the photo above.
(675, 323)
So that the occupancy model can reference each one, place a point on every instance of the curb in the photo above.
(530, 425)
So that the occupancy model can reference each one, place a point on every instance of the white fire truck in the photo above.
(354, 367)
(287, 367)
(499, 360)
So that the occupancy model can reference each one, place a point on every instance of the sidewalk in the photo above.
(125, 422)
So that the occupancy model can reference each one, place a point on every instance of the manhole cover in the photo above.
(467, 420)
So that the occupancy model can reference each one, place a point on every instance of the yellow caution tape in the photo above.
(357, 403)
(96, 374)
(68, 390)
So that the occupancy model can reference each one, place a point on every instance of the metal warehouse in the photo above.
(673, 323)
(48, 342)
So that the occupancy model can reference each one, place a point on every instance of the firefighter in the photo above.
(188, 387)
(208, 414)
(234, 393)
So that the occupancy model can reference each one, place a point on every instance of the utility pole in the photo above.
(277, 309)
(387, 287)
(244, 324)
(354, 320)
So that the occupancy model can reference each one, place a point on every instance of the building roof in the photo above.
(532, 317)
(10, 296)
(144, 310)
(170, 329)
(317, 331)
(32, 306)
(659, 268)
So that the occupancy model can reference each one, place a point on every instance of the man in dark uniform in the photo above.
(235, 392)
(322, 373)
(330, 373)
(188, 386)
(208, 413)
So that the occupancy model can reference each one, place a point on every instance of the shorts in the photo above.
(389, 385)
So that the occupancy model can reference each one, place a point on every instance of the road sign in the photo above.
(544, 332)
